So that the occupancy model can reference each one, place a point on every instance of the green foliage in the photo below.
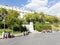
(40, 27)
(17, 25)
(3, 11)
(12, 19)
(31, 17)
(51, 19)
(11, 15)
(40, 18)
(56, 20)
(2, 25)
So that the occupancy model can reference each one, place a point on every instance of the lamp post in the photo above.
(4, 20)
(3, 16)
(0, 18)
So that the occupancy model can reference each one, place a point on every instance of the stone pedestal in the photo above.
(30, 27)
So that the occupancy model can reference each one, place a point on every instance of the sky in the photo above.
(51, 7)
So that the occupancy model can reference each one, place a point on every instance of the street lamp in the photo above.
(0, 18)
(4, 16)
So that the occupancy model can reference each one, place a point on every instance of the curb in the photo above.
(18, 35)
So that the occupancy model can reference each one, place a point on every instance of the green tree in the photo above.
(42, 19)
(56, 20)
(11, 17)
(51, 19)
(3, 13)
(31, 17)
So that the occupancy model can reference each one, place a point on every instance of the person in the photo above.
(4, 34)
(27, 33)
(43, 31)
(24, 33)
(9, 36)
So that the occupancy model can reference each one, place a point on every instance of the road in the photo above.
(34, 39)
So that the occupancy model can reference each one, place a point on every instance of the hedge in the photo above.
(40, 27)
(21, 28)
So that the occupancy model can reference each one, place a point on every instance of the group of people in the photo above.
(26, 33)
(6, 35)
(47, 31)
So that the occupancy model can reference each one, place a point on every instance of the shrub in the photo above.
(21, 28)
(40, 27)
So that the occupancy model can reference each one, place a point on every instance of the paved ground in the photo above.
(34, 39)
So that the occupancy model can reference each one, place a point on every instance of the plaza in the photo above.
(34, 39)
(30, 22)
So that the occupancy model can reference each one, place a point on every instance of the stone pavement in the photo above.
(34, 39)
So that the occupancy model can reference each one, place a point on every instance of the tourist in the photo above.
(4, 34)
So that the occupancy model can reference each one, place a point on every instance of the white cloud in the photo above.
(42, 9)
(39, 2)
(40, 6)
(36, 4)
(55, 9)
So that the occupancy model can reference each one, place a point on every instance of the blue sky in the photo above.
(52, 2)
(51, 7)
(20, 3)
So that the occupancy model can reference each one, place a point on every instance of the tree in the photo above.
(3, 13)
(11, 17)
(56, 20)
(31, 17)
(42, 17)
(51, 19)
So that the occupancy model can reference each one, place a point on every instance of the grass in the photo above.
(9, 30)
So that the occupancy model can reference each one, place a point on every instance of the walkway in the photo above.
(34, 39)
